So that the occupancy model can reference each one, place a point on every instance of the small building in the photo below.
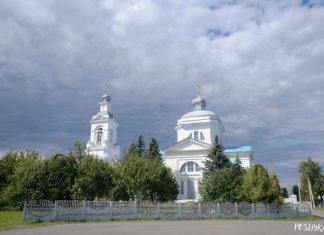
(103, 134)
(196, 131)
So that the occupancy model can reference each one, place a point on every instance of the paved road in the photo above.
(172, 227)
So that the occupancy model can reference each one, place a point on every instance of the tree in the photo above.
(295, 190)
(94, 179)
(274, 190)
(78, 151)
(153, 150)
(256, 184)
(311, 170)
(137, 147)
(140, 146)
(284, 193)
(144, 179)
(7, 166)
(60, 172)
(26, 181)
(224, 185)
(216, 159)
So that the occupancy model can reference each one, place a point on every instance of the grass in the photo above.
(10, 220)
(319, 208)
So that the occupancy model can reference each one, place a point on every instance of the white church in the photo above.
(196, 131)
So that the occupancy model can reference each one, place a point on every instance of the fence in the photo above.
(130, 210)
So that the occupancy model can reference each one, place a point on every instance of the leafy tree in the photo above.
(274, 190)
(144, 179)
(224, 185)
(295, 190)
(26, 181)
(284, 193)
(60, 173)
(216, 159)
(94, 179)
(153, 150)
(311, 170)
(256, 184)
(7, 166)
(78, 151)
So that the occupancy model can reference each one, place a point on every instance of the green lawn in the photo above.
(13, 220)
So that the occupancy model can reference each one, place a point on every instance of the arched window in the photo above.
(190, 167)
(99, 136)
(202, 137)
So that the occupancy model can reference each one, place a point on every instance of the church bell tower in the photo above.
(103, 136)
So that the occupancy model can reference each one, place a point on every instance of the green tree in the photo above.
(60, 173)
(224, 185)
(7, 166)
(26, 181)
(256, 184)
(78, 150)
(311, 170)
(284, 193)
(216, 159)
(295, 190)
(153, 150)
(94, 179)
(140, 146)
(274, 190)
(144, 179)
(131, 150)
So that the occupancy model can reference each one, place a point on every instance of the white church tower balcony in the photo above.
(103, 135)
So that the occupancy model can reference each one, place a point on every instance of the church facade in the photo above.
(103, 134)
(196, 131)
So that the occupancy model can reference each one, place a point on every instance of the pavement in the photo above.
(317, 213)
(196, 227)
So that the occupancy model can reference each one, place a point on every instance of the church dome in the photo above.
(199, 108)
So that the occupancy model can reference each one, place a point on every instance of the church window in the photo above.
(202, 137)
(99, 136)
(190, 167)
(196, 135)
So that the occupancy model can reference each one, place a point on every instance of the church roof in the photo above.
(238, 149)
(183, 144)
(197, 113)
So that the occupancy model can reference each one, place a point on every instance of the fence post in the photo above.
(54, 211)
(83, 209)
(269, 216)
(111, 210)
(135, 209)
(199, 210)
(218, 210)
(236, 210)
(180, 210)
(158, 209)
(253, 209)
(24, 211)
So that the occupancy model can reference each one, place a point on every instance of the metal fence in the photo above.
(130, 210)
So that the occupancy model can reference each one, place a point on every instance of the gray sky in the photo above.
(260, 65)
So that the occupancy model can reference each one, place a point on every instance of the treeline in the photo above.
(139, 175)
(224, 181)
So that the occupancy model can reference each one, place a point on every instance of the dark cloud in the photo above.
(260, 65)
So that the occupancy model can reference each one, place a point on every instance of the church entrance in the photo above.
(191, 189)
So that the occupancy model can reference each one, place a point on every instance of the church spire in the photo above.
(199, 103)
(106, 96)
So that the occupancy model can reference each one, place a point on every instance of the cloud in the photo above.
(260, 66)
